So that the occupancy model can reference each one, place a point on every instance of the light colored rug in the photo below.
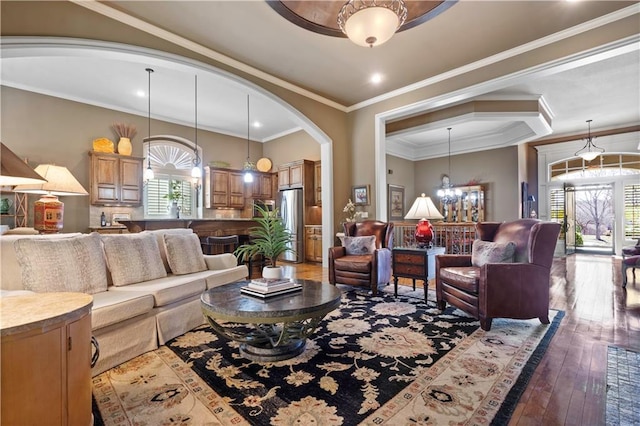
(374, 361)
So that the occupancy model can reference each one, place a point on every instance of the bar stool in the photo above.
(219, 245)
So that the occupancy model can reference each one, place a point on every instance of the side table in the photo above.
(415, 263)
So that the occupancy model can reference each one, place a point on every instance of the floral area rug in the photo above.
(375, 360)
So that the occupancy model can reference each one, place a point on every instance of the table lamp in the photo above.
(48, 210)
(423, 209)
(14, 171)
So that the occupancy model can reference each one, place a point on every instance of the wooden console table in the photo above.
(415, 263)
(46, 359)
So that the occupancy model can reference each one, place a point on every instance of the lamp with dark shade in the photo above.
(48, 210)
(422, 210)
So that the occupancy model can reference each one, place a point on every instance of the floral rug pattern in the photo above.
(375, 360)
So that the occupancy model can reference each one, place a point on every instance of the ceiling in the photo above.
(251, 36)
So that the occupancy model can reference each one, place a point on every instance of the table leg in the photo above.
(395, 286)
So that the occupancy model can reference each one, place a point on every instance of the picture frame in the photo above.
(395, 202)
(361, 194)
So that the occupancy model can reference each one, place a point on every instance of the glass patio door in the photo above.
(569, 219)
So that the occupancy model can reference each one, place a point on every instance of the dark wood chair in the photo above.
(219, 245)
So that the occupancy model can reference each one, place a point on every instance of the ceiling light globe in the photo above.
(148, 174)
(589, 155)
(248, 177)
(371, 26)
(196, 172)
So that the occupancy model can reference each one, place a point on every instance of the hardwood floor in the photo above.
(569, 385)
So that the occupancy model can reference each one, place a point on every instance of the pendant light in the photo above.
(589, 151)
(196, 171)
(148, 172)
(249, 167)
(448, 194)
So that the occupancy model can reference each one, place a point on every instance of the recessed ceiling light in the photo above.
(140, 93)
(257, 124)
(376, 78)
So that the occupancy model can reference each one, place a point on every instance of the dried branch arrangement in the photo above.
(124, 130)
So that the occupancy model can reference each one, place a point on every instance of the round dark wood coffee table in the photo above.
(279, 326)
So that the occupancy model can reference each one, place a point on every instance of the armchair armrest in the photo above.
(513, 290)
(337, 252)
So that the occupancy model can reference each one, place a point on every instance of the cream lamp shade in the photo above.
(370, 22)
(14, 171)
(48, 210)
(423, 209)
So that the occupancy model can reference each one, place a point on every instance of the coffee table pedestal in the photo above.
(276, 329)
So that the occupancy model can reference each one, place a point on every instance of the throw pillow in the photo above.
(66, 264)
(184, 253)
(360, 245)
(133, 258)
(484, 252)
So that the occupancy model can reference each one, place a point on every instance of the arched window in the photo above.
(171, 161)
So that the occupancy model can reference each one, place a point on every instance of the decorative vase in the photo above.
(272, 273)
(124, 146)
(174, 210)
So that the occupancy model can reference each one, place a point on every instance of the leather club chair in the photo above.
(369, 270)
(517, 290)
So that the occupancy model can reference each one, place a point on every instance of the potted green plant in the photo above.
(174, 195)
(270, 239)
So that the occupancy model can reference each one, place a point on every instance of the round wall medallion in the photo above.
(263, 164)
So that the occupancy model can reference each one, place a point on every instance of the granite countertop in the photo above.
(41, 310)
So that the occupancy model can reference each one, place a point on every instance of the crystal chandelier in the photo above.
(371, 22)
(589, 151)
(448, 194)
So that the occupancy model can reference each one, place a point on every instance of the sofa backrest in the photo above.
(10, 273)
(159, 236)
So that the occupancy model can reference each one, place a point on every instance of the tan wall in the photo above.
(403, 174)
(496, 170)
(46, 129)
(352, 134)
(296, 146)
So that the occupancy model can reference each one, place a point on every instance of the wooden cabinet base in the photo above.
(46, 359)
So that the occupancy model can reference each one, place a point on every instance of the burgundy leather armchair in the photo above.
(517, 290)
(369, 270)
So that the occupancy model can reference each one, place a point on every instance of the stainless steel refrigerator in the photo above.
(290, 204)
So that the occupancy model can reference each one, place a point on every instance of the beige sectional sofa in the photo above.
(146, 287)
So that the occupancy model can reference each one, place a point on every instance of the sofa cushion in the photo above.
(169, 289)
(484, 252)
(184, 253)
(112, 307)
(159, 234)
(216, 278)
(359, 245)
(133, 258)
(464, 277)
(10, 273)
(68, 264)
(354, 263)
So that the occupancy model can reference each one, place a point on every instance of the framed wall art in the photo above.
(395, 195)
(361, 194)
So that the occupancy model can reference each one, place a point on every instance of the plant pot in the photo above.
(272, 273)
(124, 146)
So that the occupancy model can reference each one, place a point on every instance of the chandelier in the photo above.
(249, 167)
(448, 194)
(589, 151)
(371, 22)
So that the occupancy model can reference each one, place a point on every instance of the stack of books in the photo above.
(264, 288)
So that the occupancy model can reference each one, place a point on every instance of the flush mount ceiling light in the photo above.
(371, 22)
(589, 151)
(324, 17)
